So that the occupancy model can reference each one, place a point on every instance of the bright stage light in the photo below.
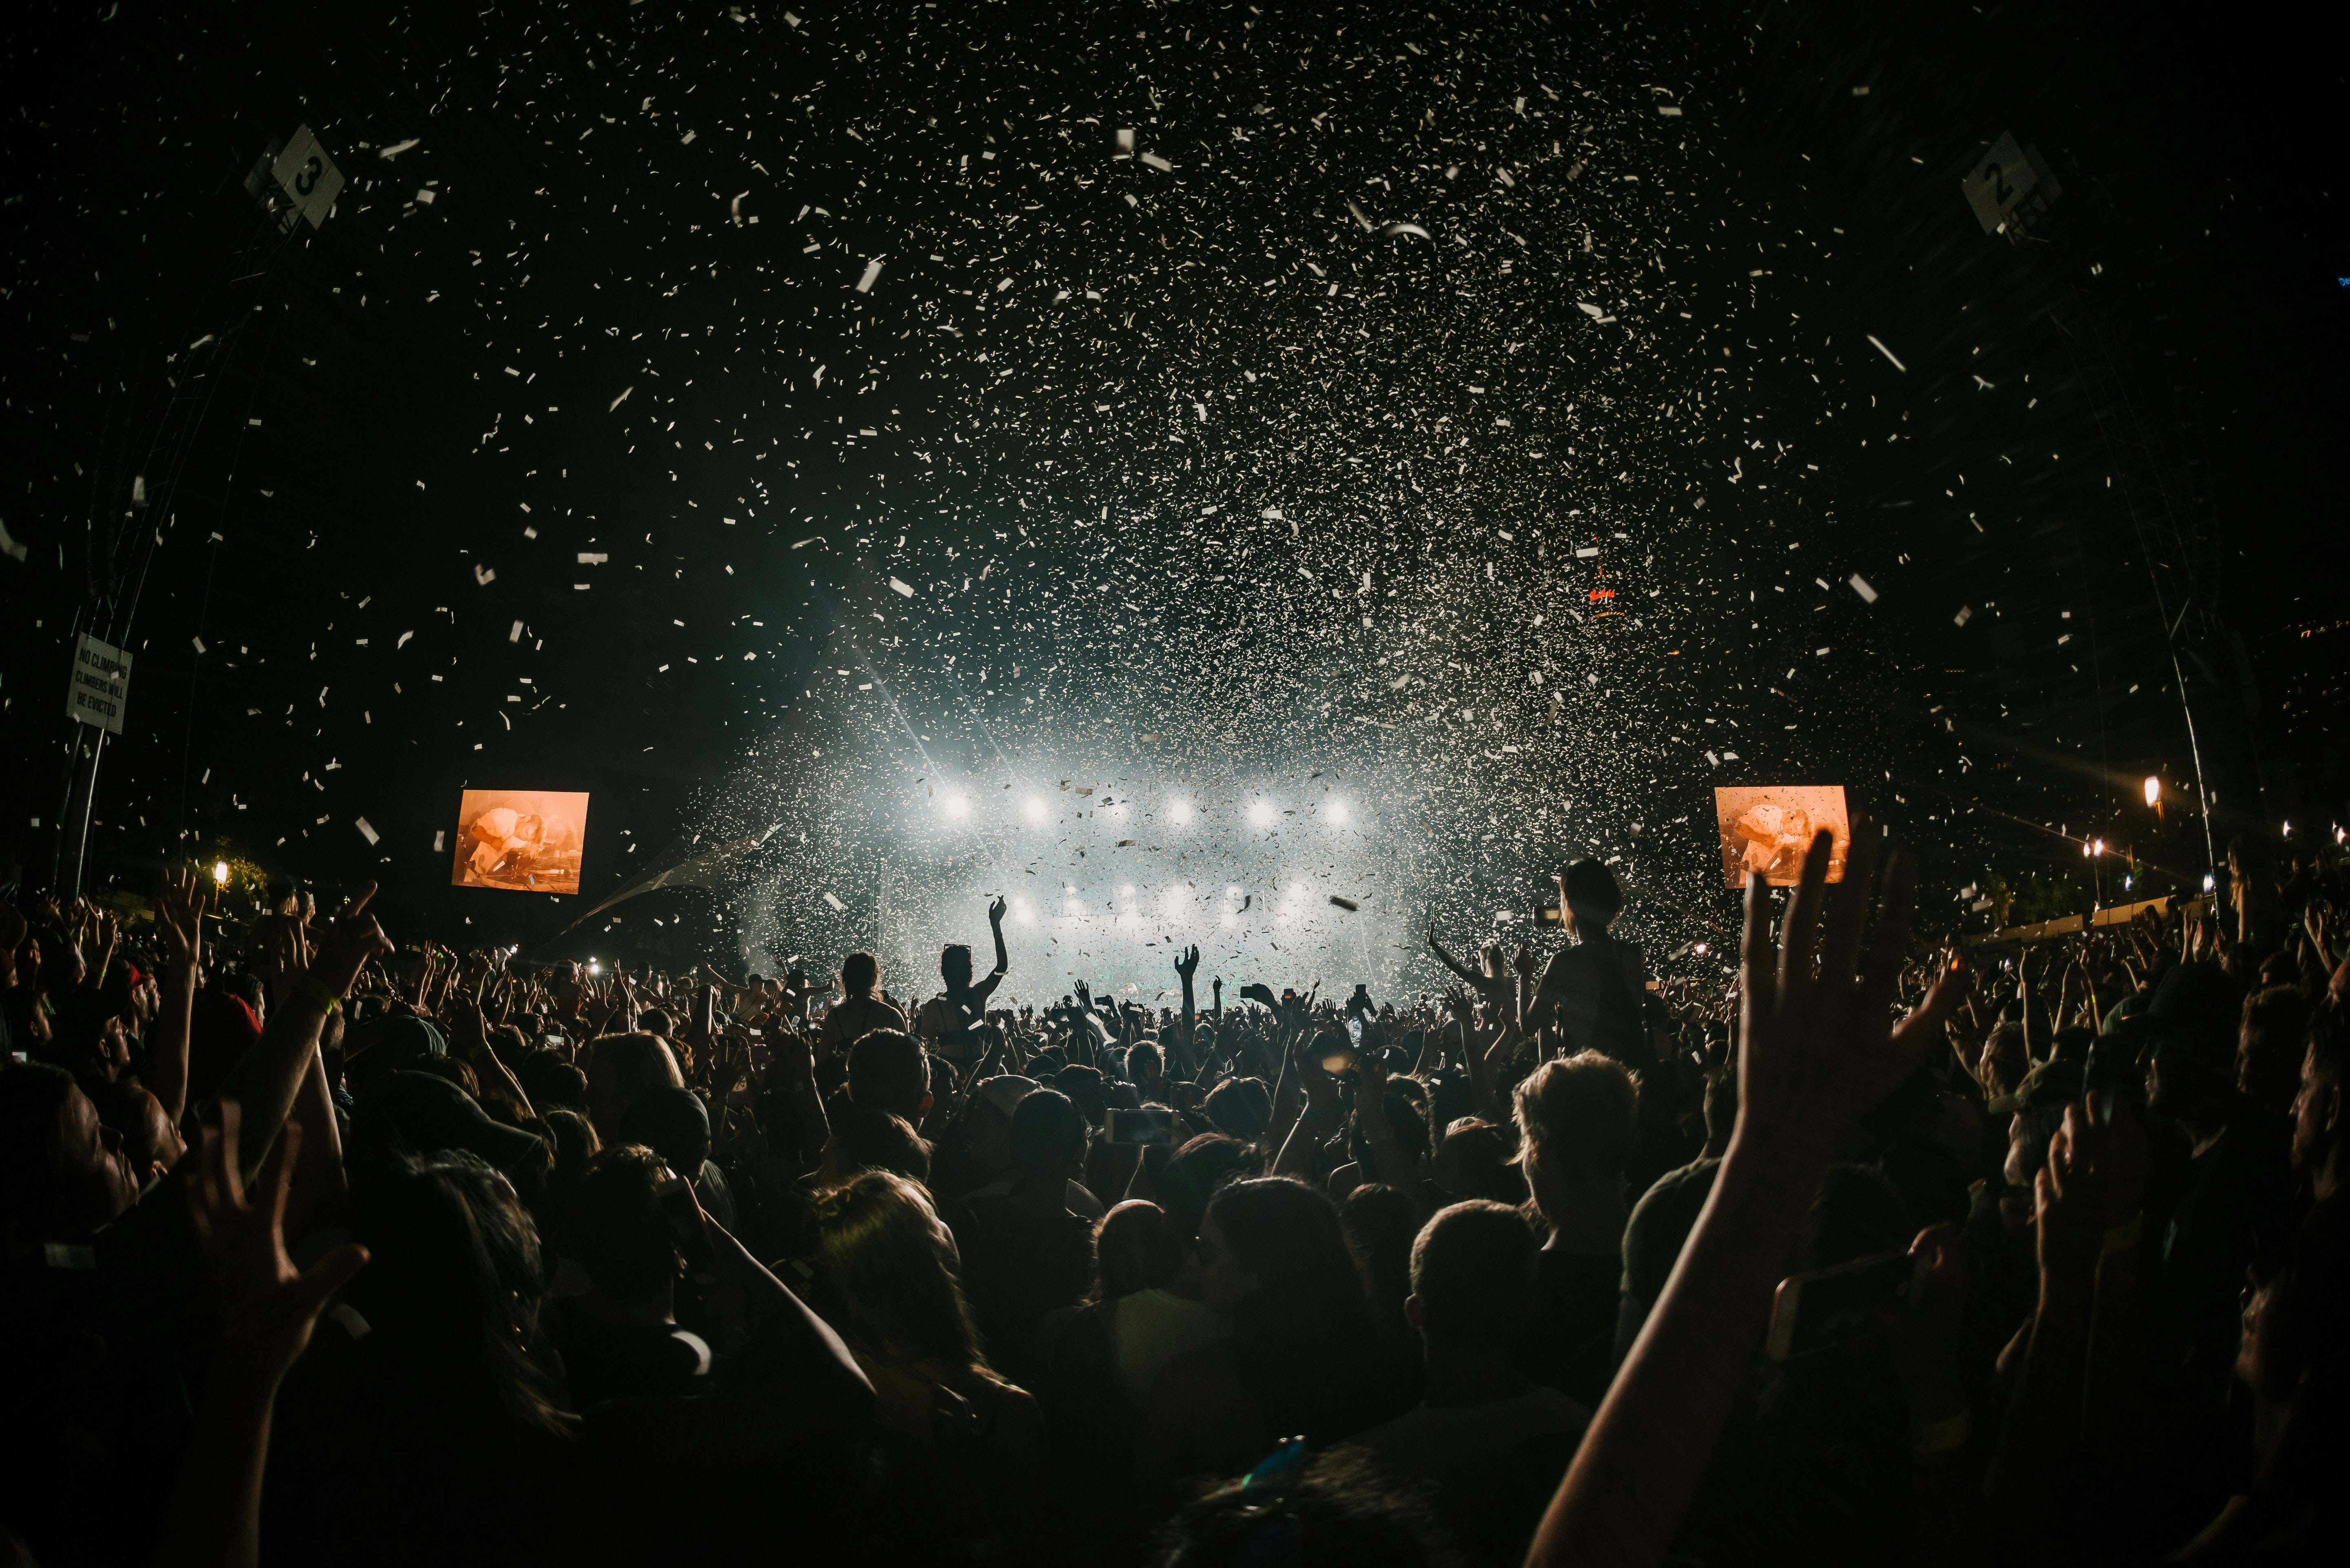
(958, 805)
(1336, 814)
(1179, 812)
(1021, 913)
(2153, 789)
(1127, 891)
(1034, 807)
(1261, 814)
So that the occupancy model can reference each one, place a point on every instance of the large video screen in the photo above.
(1769, 827)
(520, 840)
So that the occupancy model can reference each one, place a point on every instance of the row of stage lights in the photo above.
(1261, 814)
(1182, 909)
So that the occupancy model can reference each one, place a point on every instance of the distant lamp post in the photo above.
(2154, 795)
(220, 873)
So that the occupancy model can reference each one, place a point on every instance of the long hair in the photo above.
(1302, 1341)
(879, 1234)
(452, 1296)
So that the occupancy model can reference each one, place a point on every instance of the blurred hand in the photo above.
(995, 912)
(2071, 1205)
(1816, 1048)
(1321, 1088)
(266, 1307)
(794, 1061)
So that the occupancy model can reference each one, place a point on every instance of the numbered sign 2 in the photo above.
(2007, 185)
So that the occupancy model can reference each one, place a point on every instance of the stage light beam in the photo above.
(1034, 807)
(1180, 813)
(1336, 814)
(1262, 813)
(958, 805)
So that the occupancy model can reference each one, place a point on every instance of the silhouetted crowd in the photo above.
(323, 1249)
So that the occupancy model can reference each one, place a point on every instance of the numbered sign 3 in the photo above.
(308, 176)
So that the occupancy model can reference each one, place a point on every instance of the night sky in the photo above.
(584, 447)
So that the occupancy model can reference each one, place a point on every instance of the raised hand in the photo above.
(265, 1306)
(2072, 1204)
(179, 918)
(1816, 1046)
(794, 1062)
(995, 912)
(351, 939)
(1321, 1088)
(1188, 964)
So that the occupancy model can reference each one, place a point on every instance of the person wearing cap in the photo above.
(2035, 1109)
(675, 1124)
(421, 1113)
(392, 1044)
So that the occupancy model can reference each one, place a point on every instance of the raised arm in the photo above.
(1469, 977)
(179, 927)
(1390, 1161)
(1817, 1050)
(265, 1079)
(266, 1310)
(1186, 968)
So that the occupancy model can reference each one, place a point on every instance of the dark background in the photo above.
(2178, 313)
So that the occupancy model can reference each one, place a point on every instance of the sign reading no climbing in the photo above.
(102, 682)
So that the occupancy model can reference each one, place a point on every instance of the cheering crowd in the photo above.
(323, 1249)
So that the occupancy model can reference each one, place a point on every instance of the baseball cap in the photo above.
(2049, 1084)
(425, 1111)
